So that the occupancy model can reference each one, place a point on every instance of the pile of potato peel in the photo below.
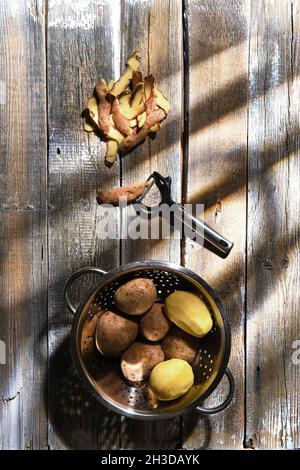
(126, 111)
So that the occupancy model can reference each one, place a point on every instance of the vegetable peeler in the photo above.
(195, 227)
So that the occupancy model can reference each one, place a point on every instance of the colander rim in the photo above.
(151, 264)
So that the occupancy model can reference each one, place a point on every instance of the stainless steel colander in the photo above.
(102, 375)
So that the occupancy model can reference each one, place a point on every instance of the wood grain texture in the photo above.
(272, 402)
(155, 29)
(243, 60)
(217, 178)
(82, 47)
(23, 224)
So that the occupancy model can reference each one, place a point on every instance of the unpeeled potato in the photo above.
(138, 360)
(136, 296)
(114, 334)
(180, 345)
(154, 325)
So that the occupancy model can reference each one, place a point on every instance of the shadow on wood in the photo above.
(78, 419)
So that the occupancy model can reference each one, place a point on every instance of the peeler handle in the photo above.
(226, 402)
(194, 228)
(204, 234)
(73, 277)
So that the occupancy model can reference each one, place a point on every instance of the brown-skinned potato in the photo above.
(180, 345)
(138, 360)
(136, 296)
(114, 334)
(154, 325)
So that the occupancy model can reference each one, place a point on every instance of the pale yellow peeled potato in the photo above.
(171, 379)
(189, 313)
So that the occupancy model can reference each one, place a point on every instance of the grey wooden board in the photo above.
(157, 34)
(218, 50)
(244, 61)
(23, 222)
(81, 39)
(272, 401)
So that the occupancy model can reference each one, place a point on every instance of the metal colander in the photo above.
(102, 375)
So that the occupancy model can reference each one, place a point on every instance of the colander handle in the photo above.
(73, 277)
(226, 402)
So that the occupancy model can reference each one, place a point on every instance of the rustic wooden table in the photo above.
(231, 70)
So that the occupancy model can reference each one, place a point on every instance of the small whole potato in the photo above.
(138, 360)
(114, 334)
(180, 345)
(136, 296)
(154, 325)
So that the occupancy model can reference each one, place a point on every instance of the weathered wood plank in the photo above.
(83, 46)
(217, 178)
(154, 28)
(23, 224)
(272, 413)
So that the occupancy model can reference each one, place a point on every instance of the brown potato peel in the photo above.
(126, 111)
(130, 192)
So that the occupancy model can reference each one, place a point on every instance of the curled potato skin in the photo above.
(104, 106)
(130, 192)
(121, 123)
(154, 115)
(111, 151)
(138, 360)
(132, 66)
(136, 296)
(154, 325)
(114, 334)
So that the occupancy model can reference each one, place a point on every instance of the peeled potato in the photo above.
(189, 313)
(138, 361)
(171, 379)
(136, 296)
(114, 334)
